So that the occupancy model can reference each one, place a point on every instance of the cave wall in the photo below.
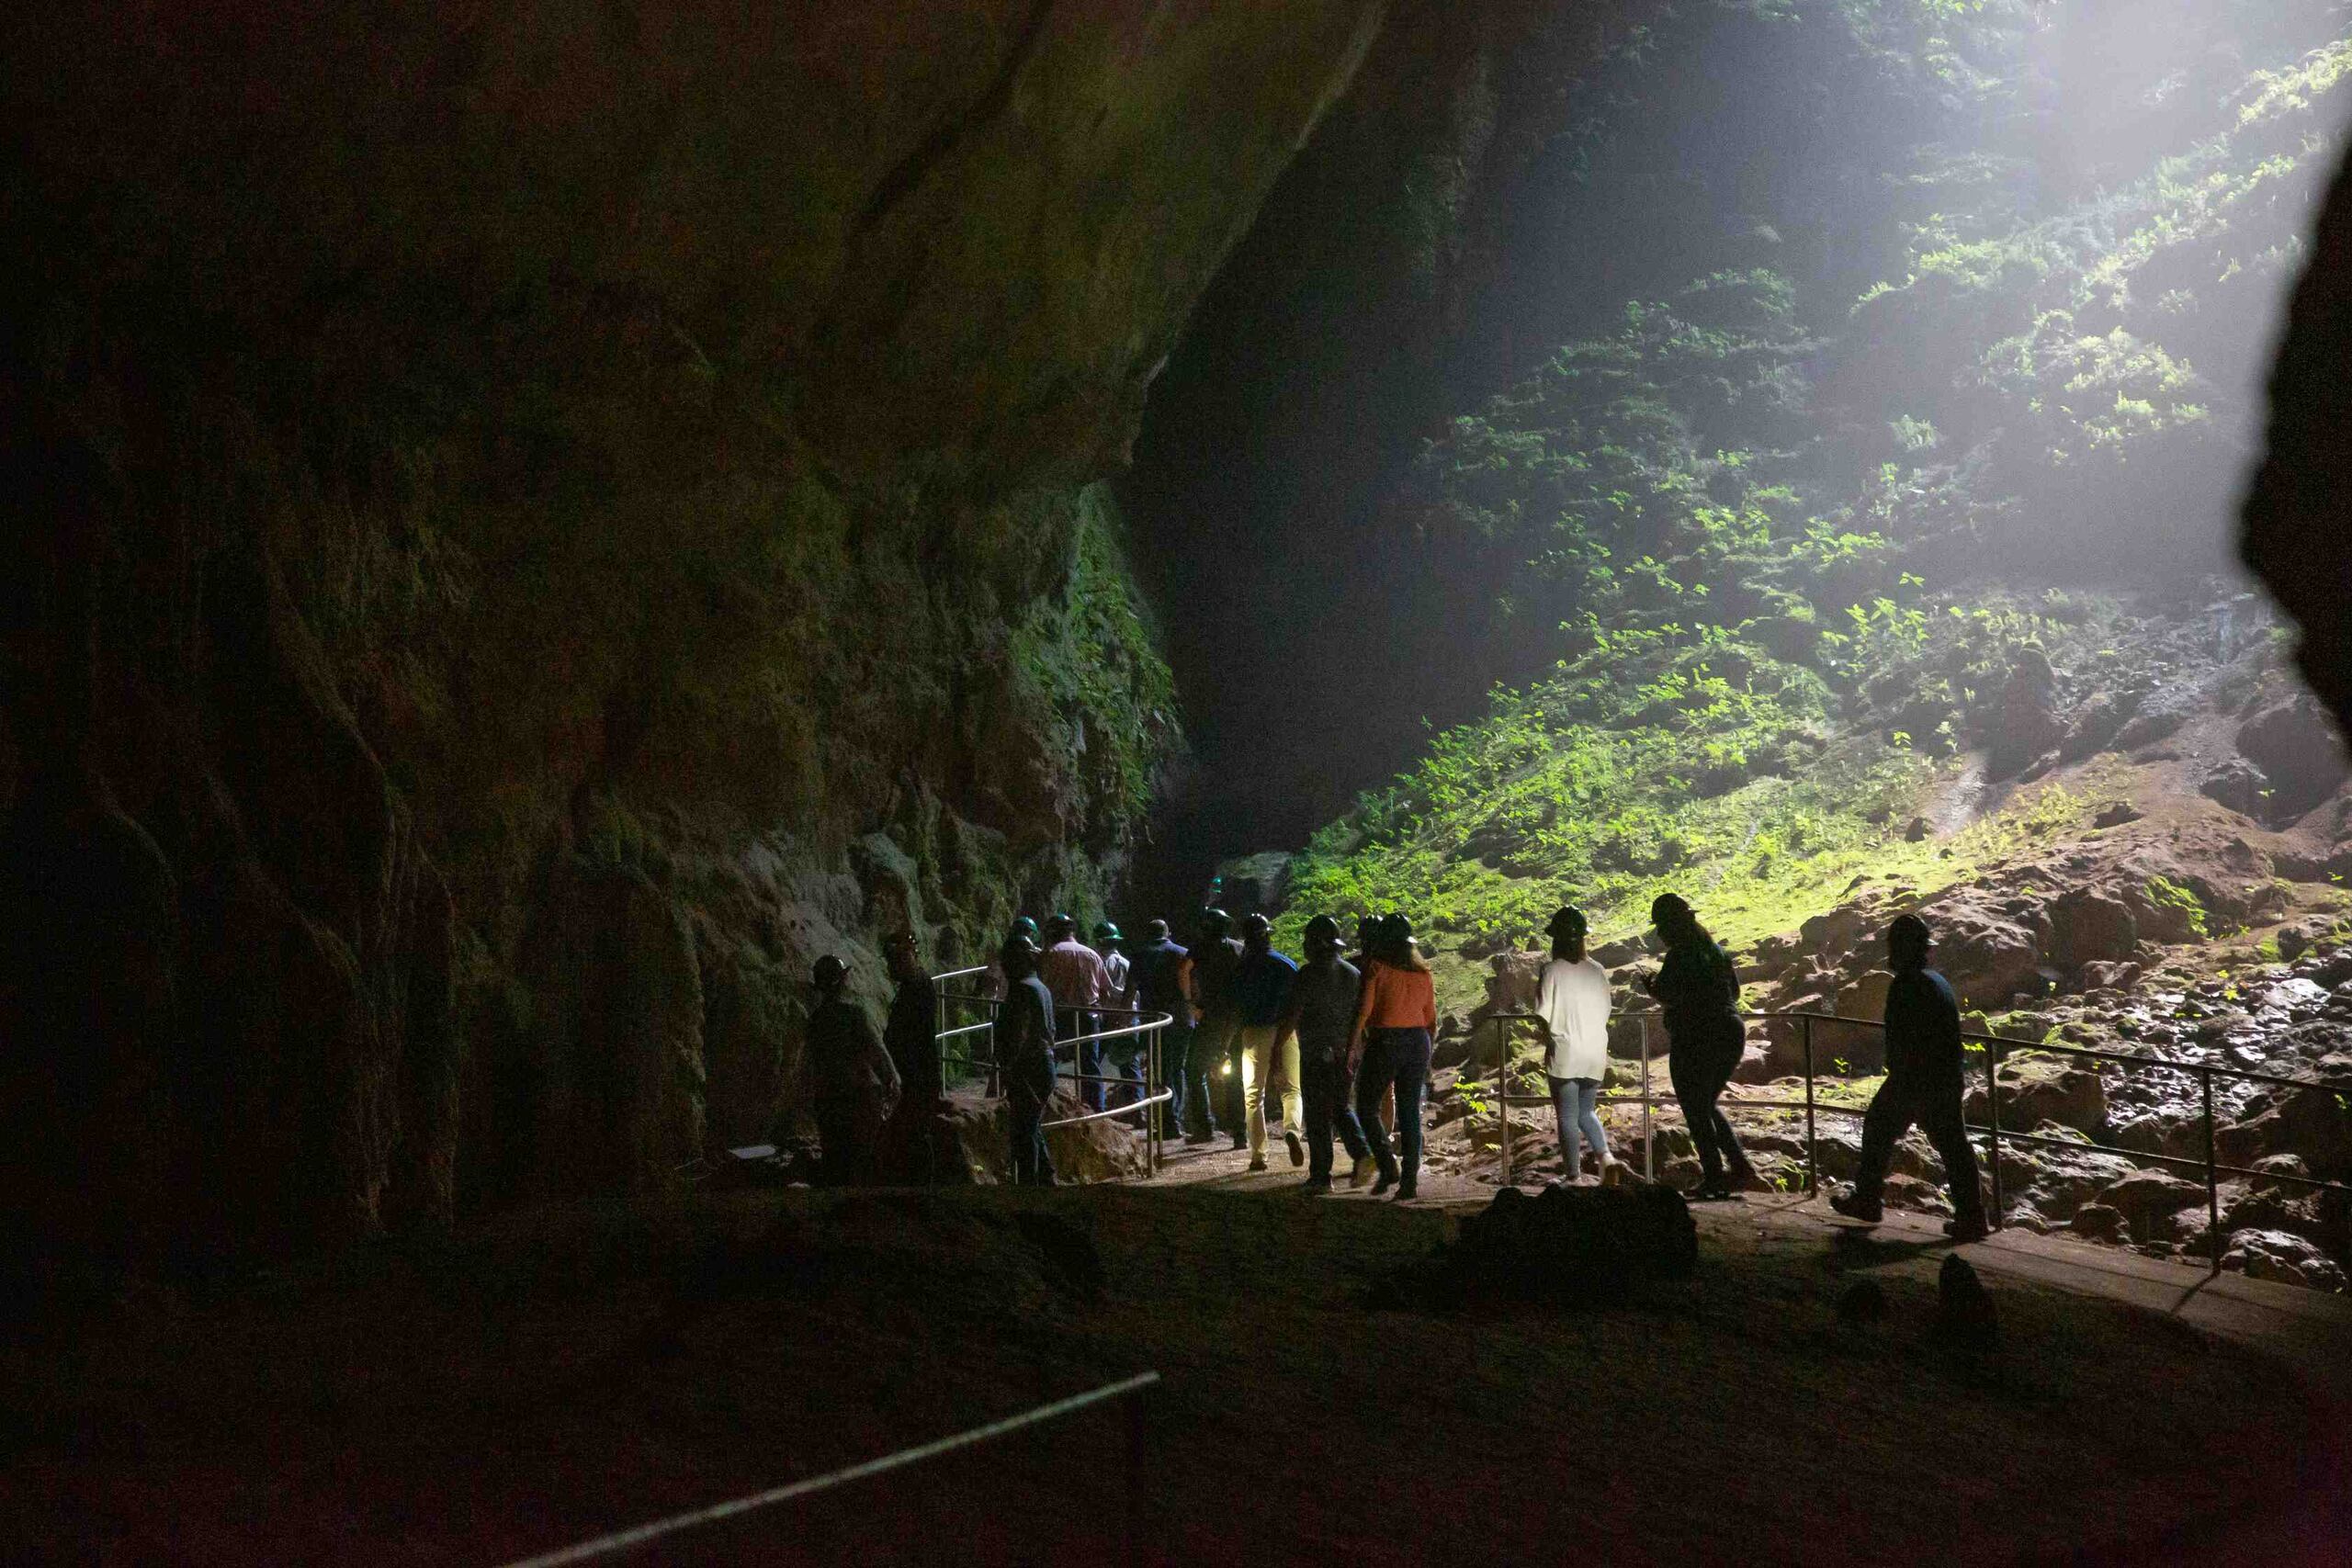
(529, 522)
(2298, 513)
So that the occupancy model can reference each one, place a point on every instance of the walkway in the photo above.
(2311, 1328)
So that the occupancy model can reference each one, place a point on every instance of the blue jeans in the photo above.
(1032, 1166)
(1573, 1101)
(1176, 1077)
(1399, 1057)
(1068, 1024)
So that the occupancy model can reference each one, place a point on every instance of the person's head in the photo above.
(1257, 931)
(1155, 931)
(1906, 942)
(1027, 925)
(1019, 958)
(1322, 937)
(1215, 923)
(1368, 935)
(1059, 928)
(905, 962)
(1567, 932)
(1106, 936)
(1396, 947)
(1672, 917)
(828, 975)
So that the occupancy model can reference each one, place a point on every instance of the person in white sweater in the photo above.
(1574, 1004)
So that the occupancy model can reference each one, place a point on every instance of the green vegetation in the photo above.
(1738, 536)
(2172, 895)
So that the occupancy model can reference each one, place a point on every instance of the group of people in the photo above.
(1344, 1039)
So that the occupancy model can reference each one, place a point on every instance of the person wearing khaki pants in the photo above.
(1259, 983)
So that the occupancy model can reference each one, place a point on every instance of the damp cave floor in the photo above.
(534, 1382)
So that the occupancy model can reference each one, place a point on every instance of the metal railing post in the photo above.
(1502, 1094)
(2213, 1178)
(1993, 1119)
(1811, 1147)
(1649, 1157)
(1151, 1093)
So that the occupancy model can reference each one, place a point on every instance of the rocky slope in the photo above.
(2177, 893)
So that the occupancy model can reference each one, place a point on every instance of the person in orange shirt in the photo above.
(1390, 1044)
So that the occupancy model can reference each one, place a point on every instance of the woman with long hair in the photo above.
(1699, 991)
(1396, 1016)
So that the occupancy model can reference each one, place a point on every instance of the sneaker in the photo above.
(1297, 1150)
(1854, 1208)
(1968, 1228)
(1407, 1190)
(1239, 1145)
(1315, 1186)
(1383, 1184)
(1362, 1171)
(1194, 1140)
(1257, 1162)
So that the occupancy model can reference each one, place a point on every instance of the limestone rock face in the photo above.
(536, 522)
(2295, 743)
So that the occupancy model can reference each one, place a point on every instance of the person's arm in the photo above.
(1188, 1013)
(1293, 1003)
(1429, 1001)
(1365, 996)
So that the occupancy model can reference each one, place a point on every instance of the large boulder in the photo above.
(2037, 1087)
(2296, 744)
(2091, 926)
(2148, 1199)
(1989, 957)
(1570, 1246)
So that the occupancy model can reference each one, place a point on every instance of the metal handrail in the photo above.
(1147, 1026)
(1125, 1390)
(1995, 1047)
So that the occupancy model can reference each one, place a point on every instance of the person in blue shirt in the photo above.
(1261, 981)
(1923, 1085)
(1162, 975)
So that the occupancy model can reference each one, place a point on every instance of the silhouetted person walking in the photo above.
(1574, 1004)
(1923, 1085)
(1320, 1011)
(1162, 972)
(1259, 983)
(1217, 958)
(1025, 1049)
(851, 1081)
(1699, 991)
(911, 1036)
(1390, 1045)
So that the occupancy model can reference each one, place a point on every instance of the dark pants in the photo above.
(1176, 1075)
(1699, 1060)
(1032, 1166)
(1935, 1107)
(1217, 1047)
(1401, 1058)
(1325, 1084)
(1068, 1024)
(849, 1137)
(1123, 1060)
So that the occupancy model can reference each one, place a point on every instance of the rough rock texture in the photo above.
(1569, 1246)
(526, 524)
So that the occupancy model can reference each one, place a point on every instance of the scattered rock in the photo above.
(1569, 1246)
(2115, 815)
(2099, 1222)
(2238, 784)
(2089, 926)
(1864, 1301)
(2147, 1198)
(2036, 1087)
(2275, 1255)
(1965, 1314)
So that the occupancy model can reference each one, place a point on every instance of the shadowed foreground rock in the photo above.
(1570, 1246)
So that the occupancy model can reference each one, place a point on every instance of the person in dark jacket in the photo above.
(1319, 1010)
(1162, 977)
(1698, 991)
(1923, 1085)
(911, 1036)
(1217, 1038)
(1025, 1049)
(851, 1081)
